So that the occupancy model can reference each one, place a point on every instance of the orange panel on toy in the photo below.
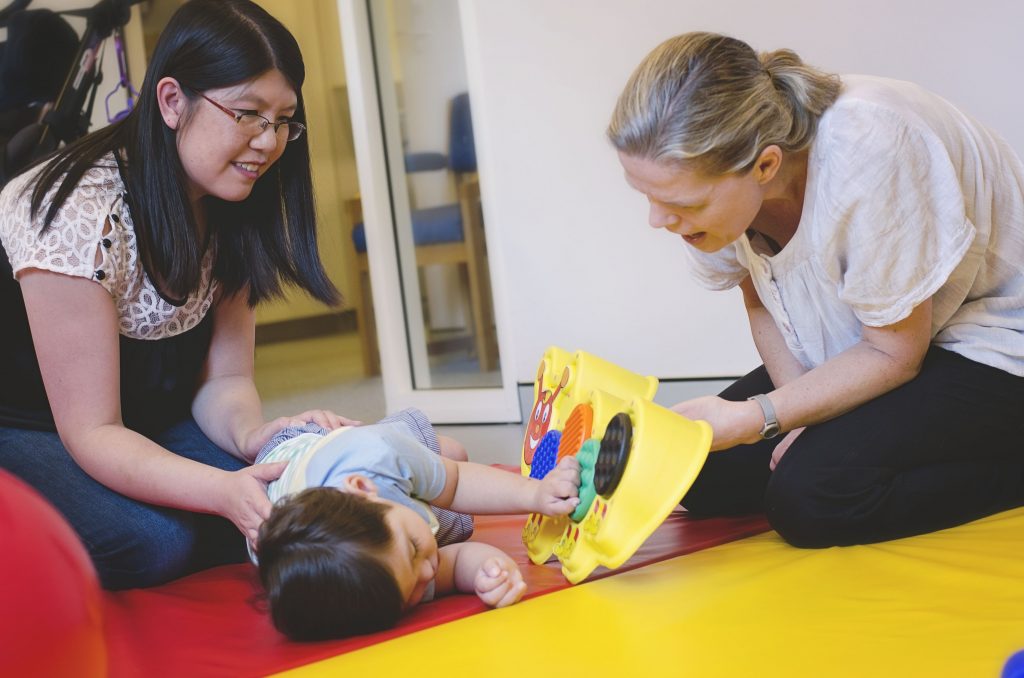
(577, 430)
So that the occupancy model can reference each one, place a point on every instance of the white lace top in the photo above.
(907, 199)
(92, 237)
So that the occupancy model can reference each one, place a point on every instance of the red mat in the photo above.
(214, 624)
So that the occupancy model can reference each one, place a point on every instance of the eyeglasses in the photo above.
(253, 123)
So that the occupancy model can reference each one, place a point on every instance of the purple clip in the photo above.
(123, 82)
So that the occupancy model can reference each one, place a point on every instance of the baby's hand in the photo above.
(499, 582)
(558, 493)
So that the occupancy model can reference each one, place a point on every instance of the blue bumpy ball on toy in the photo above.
(546, 456)
(1015, 667)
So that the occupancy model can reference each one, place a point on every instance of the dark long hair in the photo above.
(320, 562)
(259, 242)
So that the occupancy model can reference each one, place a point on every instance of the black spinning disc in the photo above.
(611, 460)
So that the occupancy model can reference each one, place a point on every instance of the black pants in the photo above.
(941, 450)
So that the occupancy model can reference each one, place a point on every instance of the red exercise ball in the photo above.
(50, 610)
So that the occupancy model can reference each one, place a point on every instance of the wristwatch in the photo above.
(771, 426)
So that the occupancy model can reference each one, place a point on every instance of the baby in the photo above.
(351, 542)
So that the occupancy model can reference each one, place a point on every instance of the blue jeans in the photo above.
(131, 543)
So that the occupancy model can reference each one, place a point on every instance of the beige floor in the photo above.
(326, 372)
(323, 372)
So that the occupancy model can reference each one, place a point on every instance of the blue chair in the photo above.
(447, 234)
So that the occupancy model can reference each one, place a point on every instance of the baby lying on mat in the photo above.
(352, 543)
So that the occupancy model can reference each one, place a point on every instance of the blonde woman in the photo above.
(877, 235)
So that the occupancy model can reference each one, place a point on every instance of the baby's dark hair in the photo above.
(320, 561)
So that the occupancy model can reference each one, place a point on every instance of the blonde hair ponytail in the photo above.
(710, 101)
(808, 92)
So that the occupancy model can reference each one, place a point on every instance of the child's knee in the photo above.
(452, 448)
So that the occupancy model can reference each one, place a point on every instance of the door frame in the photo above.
(442, 406)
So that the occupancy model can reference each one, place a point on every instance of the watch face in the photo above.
(770, 430)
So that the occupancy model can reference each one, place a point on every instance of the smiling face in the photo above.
(707, 212)
(221, 158)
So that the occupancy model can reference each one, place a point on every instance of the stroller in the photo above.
(49, 78)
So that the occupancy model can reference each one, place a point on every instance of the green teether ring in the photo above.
(587, 457)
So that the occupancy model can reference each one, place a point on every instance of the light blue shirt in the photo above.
(404, 470)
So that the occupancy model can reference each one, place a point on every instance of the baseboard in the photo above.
(307, 328)
(448, 341)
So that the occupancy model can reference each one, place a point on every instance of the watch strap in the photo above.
(771, 426)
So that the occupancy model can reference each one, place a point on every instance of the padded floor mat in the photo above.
(943, 604)
(213, 623)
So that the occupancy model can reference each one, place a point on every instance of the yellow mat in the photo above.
(945, 604)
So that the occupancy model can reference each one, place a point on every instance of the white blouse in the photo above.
(92, 236)
(907, 198)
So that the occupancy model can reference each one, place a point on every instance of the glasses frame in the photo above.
(265, 123)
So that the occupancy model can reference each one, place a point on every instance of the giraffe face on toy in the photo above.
(540, 415)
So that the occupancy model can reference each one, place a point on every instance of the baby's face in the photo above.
(413, 552)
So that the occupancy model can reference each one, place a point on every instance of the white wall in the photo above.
(573, 260)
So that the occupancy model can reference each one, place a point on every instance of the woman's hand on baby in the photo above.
(558, 492)
(499, 582)
(243, 496)
(259, 437)
(326, 418)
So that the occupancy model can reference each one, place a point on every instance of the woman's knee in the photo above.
(794, 512)
(818, 509)
(150, 548)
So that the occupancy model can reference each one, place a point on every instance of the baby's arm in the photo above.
(472, 567)
(476, 488)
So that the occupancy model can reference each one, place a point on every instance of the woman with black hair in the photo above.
(137, 255)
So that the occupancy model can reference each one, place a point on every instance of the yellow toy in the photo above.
(638, 459)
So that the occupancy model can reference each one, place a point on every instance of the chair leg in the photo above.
(479, 279)
(365, 321)
(359, 281)
(483, 353)
(368, 331)
(480, 304)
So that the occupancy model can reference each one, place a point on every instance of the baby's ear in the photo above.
(359, 484)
